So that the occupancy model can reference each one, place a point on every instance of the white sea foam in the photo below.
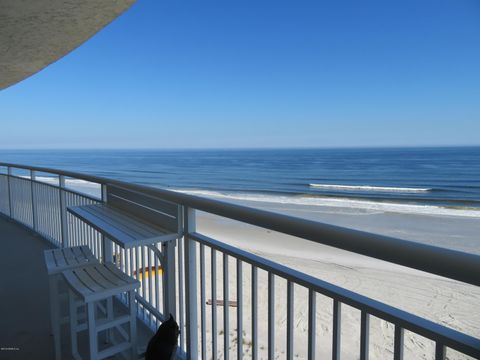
(370, 188)
(336, 203)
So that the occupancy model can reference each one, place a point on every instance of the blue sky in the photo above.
(208, 74)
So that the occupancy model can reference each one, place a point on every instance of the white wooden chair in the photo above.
(93, 284)
(57, 261)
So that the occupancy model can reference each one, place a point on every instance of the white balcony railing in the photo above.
(198, 262)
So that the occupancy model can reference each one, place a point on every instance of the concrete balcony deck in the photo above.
(24, 306)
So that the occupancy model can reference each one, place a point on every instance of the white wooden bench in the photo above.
(130, 218)
(57, 261)
(93, 284)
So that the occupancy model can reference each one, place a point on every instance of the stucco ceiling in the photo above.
(35, 33)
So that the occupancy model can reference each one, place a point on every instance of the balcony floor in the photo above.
(24, 306)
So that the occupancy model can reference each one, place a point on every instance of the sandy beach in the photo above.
(438, 299)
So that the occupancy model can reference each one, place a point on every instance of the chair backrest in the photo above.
(148, 208)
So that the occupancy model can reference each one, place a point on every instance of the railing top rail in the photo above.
(452, 264)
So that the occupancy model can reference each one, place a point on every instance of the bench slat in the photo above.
(59, 258)
(120, 226)
(89, 281)
(100, 278)
(99, 282)
(126, 223)
(50, 261)
(70, 257)
(110, 231)
(76, 285)
(112, 278)
(138, 225)
(120, 274)
(83, 252)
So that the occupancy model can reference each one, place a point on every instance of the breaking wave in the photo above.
(306, 200)
(370, 188)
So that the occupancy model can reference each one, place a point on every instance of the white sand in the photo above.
(441, 300)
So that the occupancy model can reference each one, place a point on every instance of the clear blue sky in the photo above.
(175, 74)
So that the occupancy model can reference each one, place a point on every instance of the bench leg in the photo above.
(109, 318)
(133, 323)
(73, 324)
(92, 331)
(54, 313)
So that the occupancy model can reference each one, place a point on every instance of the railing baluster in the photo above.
(254, 313)
(51, 218)
(130, 254)
(63, 213)
(32, 188)
(144, 287)
(203, 324)
(23, 196)
(37, 202)
(54, 235)
(81, 231)
(137, 271)
(77, 232)
(440, 351)
(239, 310)
(26, 195)
(150, 278)
(213, 260)
(337, 329)
(271, 316)
(9, 187)
(169, 282)
(364, 335)
(181, 292)
(31, 215)
(312, 323)
(44, 210)
(98, 245)
(398, 343)
(191, 284)
(50, 225)
(157, 285)
(226, 331)
(17, 212)
(91, 237)
(290, 312)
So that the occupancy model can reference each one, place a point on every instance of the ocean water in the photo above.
(445, 178)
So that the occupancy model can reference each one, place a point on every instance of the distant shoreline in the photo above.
(323, 202)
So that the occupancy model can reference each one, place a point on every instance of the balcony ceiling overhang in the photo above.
(36, 33)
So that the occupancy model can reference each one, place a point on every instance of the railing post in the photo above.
(9, 173)
(32, 188)
(107, 245)
(169, 287)
(168, 283)
(191, 284)
(63, 211)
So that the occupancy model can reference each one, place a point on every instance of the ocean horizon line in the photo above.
(366, 147)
